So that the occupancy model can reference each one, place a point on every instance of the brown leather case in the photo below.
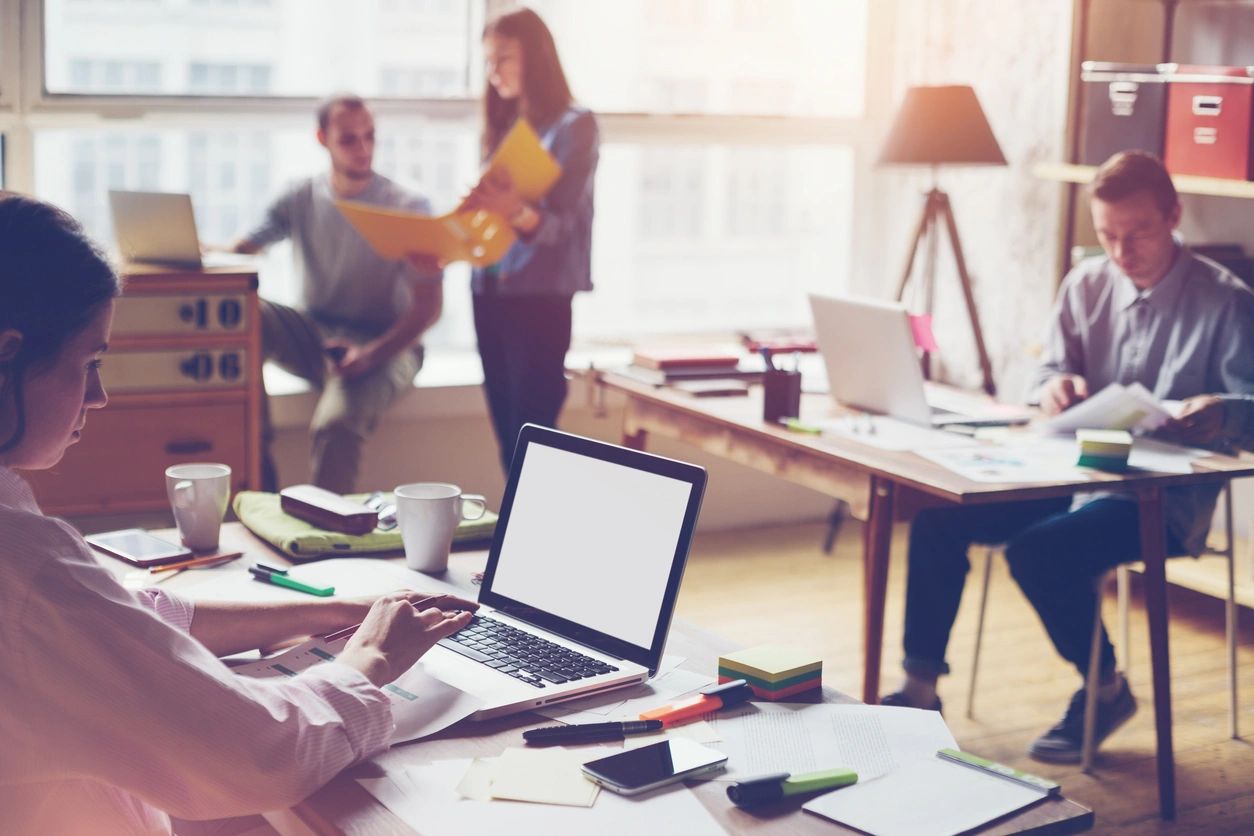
(327, 510)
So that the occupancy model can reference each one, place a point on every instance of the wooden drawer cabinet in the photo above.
(183, 375)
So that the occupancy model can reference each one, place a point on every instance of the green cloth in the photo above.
(263, 515)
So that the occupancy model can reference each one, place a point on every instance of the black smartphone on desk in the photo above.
(138, 547)
(649, 767)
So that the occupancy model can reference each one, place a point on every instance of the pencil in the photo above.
(198, 561)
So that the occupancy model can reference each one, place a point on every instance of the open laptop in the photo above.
(160, 227)
(872, 364)
(582, 577)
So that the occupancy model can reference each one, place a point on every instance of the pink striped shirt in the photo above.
(113, 718)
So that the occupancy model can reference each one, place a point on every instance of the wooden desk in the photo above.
(872, 480)
(343, 807)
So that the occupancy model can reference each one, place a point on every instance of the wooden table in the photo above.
(872, 480)
(343, 807)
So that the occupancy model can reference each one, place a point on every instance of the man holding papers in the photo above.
(356, 333)
(1152, 313)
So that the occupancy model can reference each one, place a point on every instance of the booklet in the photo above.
(477, 236)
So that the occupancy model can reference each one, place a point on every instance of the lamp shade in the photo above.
(941, 126)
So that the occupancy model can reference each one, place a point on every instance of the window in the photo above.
(698, 226)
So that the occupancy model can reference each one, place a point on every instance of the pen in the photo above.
(727, 695)
(766, 359)
(197, 561)
(767, 788)
(1025, 779)
(281, 579)
(589, 732)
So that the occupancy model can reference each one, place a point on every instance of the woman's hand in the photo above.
(399, 628)
(495, 193)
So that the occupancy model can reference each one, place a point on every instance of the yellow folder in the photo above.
(477, 236)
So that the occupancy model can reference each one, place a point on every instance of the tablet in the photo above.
(136, 546)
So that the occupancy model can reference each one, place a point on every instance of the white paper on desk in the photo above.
(889, 433)
(1162, 457)
(1025, 460)
(544, 776)
(627, 703)
(421, 704)
(782, 737)
(1117, 407)
(432, 807)
(925, 795)
(349, 575)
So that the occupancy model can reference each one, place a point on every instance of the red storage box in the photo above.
(1209, 113)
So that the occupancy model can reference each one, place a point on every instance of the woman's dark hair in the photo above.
(545, 93)
(53, 280)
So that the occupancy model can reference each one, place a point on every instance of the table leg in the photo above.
(1154, 555)
(876, 543)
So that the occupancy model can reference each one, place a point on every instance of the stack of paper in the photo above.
(1104, 449)
(772, 672)
(1117, 407)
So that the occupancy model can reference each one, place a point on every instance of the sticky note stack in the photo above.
(1104, 449)
(773, 672)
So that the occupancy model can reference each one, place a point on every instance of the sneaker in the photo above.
(1064, 743)
(900, 700)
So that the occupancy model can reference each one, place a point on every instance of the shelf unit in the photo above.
(1185, 183)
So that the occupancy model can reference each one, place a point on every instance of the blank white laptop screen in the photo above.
(592, 542)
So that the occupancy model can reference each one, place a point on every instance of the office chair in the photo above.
(1121, 576)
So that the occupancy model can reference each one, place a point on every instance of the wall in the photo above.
(1015, 55)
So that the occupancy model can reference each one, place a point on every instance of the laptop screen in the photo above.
(596, 542)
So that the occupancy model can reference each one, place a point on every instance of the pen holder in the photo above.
(781, 395)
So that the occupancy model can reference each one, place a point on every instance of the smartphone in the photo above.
(640, 770)
(134, 545)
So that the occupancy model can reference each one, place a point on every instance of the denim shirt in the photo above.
(1191, 334)
(556, 257)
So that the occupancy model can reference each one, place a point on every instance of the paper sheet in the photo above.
(430, 804)
(1026, 460)
(943, 798)
(421, 704)
(1117, 407)
(870, 739)
(627, 703)
(889, 433)
(349, 575)
(1161, 457)
(545, 776)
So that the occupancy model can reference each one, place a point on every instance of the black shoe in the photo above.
(1064, 743)
(900, 700)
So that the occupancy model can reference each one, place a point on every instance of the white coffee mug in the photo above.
(198, 496)
(428, 514)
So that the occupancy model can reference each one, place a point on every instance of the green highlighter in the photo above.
(768, 788)
(1025, 779)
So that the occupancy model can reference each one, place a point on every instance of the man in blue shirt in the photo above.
(1152, 312)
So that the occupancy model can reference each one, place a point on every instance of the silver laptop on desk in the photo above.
(872, 364)
(160, 228)
(582, 577)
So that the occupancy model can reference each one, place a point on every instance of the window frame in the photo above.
(26, 107)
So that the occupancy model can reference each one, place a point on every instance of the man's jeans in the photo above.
(1055, 555)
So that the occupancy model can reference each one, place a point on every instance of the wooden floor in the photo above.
(775, 585)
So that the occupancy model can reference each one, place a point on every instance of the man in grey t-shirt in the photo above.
(356, 333)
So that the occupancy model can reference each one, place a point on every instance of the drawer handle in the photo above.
(186, 448)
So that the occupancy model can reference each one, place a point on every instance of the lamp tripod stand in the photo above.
(936, 210)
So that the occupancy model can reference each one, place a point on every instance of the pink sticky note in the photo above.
(921, 326)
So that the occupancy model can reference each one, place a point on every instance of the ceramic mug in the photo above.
(198, 496)
(428, 514)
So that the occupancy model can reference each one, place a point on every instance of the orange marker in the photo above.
(717, 698)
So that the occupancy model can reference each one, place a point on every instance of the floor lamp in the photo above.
(942, 126)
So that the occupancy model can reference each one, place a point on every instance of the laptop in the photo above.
(872, 364)
(160, 228)
(582, 577)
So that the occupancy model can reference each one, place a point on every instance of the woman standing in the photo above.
(117, 713)
(522, 304)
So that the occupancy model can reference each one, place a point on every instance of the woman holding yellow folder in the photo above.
(117, 713)
(522, 304)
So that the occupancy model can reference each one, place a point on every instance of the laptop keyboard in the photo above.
(522, 655)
